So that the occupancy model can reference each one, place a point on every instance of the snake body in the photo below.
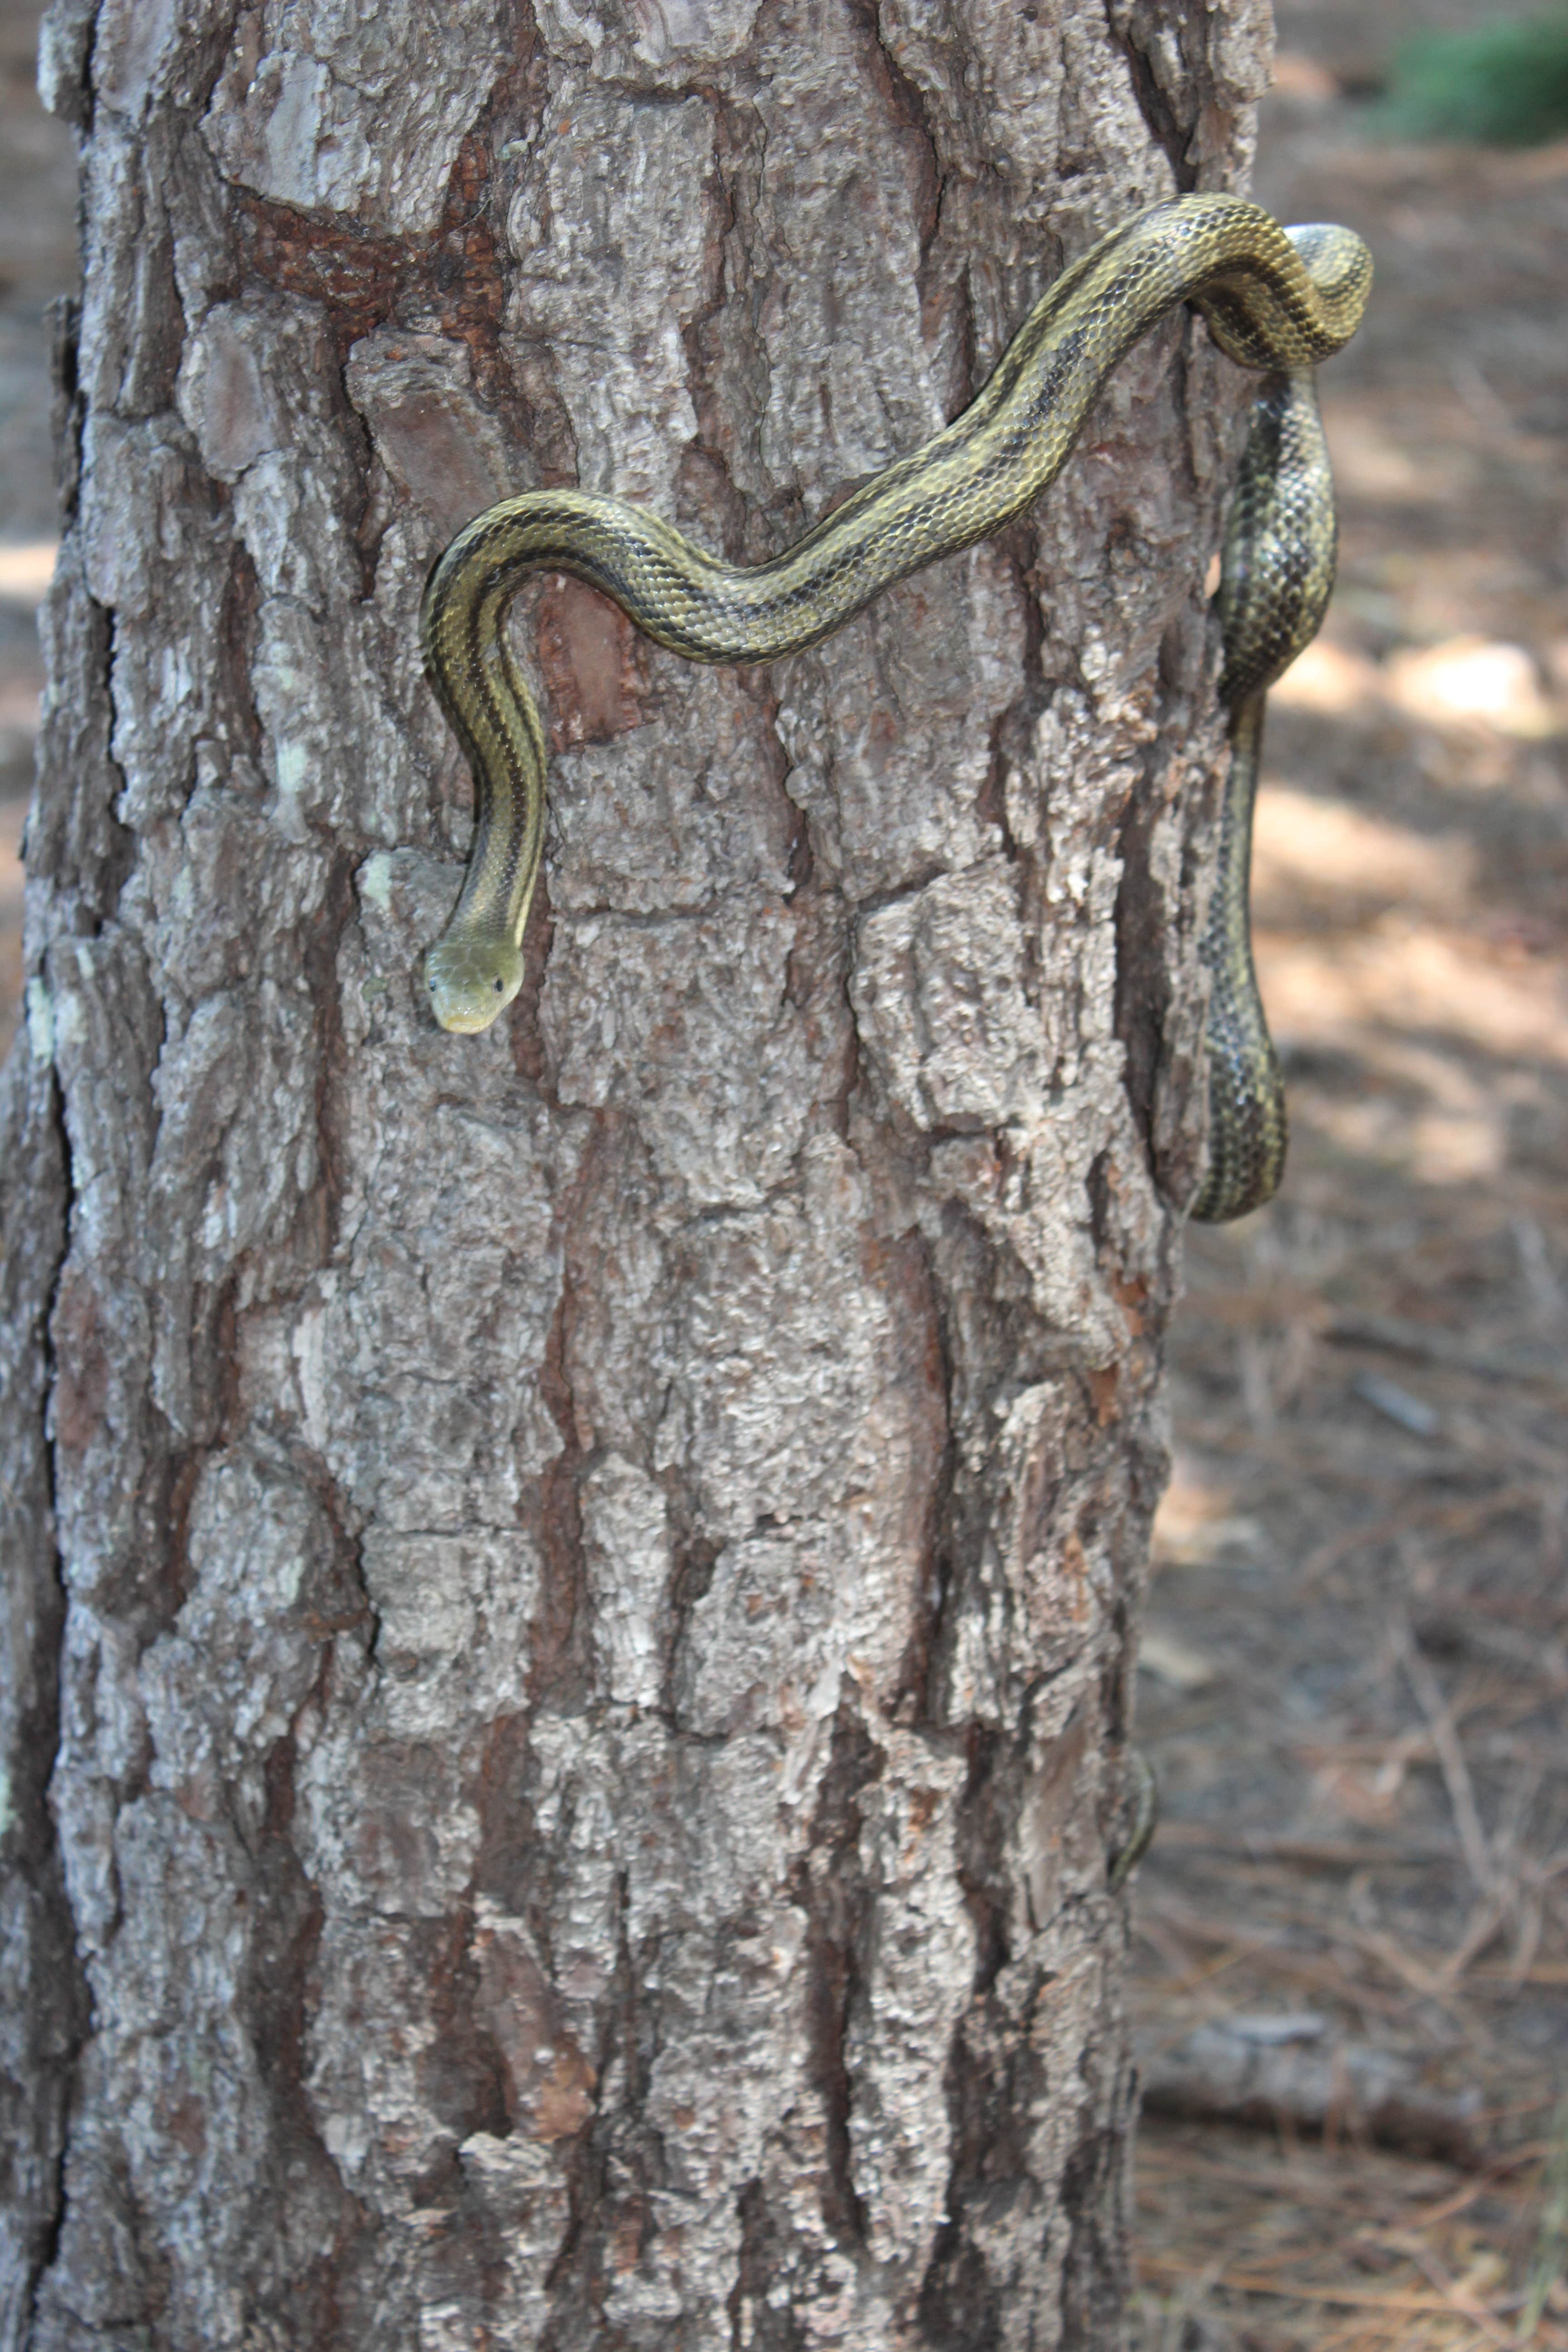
(1275, 301)
(1275, 576)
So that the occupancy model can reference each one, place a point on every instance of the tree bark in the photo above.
(571, 1592)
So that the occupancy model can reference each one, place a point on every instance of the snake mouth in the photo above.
(471, 981)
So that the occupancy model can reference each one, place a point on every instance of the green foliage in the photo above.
(1504, 85)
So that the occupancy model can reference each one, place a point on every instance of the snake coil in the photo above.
(1275, 301)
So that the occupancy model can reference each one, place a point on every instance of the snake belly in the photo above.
(1275, 301)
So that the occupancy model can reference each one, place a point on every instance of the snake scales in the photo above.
(1275, 301)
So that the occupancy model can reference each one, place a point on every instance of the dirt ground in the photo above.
(1350, 1990)
(1353, 1927)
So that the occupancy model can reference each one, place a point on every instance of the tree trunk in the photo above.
(571, 1591)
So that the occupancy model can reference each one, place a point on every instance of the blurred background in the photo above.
(38, 262)
(1349, 1986)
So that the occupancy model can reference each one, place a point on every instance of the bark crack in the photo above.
(68, 1990)
(833, 1891)
(906, 104)
(560, 1665)
(916, 1702)
(1159, 115)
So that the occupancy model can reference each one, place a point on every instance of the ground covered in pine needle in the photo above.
(1351, 1966)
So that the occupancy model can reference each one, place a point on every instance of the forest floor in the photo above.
(1350, 1984)
(1351, 1930)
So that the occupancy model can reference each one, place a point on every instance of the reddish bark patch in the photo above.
(1075, 1576)
(1132, 1297)
(355, 274)
(453, 279)
(588, 653)
(1102, 1393)
(81, 1377)
(549, 2084)
(186, 2123)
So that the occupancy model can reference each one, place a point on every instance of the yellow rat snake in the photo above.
(1276, 301)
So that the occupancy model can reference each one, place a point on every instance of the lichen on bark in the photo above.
(573, 1590)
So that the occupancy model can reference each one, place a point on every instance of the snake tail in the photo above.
(1144, 1804)
(1277, 572)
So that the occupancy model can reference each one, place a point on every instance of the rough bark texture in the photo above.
(569, 1592)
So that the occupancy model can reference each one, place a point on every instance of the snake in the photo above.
(1275, 301)
(1143, 1805)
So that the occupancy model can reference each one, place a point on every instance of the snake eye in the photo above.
(500, 986)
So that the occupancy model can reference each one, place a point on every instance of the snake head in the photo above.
(472, 976)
